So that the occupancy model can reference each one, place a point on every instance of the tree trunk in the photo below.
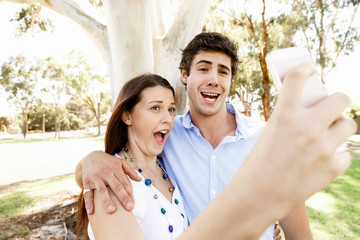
(129, 32)
(43, 122)
(25, 124)
(98, 118)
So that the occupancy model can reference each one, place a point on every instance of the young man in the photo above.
(207, 145)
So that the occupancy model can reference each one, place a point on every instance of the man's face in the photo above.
(209, 81)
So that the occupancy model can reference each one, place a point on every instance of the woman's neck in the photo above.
(140, 159)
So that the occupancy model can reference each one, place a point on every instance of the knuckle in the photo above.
(86, 181)
(118, 186)
(102, 189)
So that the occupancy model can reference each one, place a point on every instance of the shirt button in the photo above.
(213, 192)
(213, 157)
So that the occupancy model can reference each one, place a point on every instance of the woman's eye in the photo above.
(172, 110)
(203, 69)
(156, 108)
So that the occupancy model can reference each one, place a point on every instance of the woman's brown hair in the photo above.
(116, 135)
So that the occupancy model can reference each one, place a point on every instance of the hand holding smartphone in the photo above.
(281, 61)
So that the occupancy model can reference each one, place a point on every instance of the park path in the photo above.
(36, 160)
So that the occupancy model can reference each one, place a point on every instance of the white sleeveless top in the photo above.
(147, 211)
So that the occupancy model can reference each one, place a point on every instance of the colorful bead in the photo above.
(147, 182)
(126, 150)
(171, 189)
(165, 176)
(156, 196)
(183, 215)
(176, 201)
(140, 170)
(171, 229)
(163, 211)
(132, 159)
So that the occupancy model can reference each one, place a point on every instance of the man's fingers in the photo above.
(293, 84)
(131, 172)
(89, 202)
(108, 204)
(122, 188)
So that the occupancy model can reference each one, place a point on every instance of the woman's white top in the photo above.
(147, 211)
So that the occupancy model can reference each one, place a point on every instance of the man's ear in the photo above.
(184, 76)
(126, 118)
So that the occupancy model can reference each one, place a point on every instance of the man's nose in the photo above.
(213, 79)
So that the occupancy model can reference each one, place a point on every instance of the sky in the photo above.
(69, 36)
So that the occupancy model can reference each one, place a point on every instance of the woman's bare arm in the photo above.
(122, 224)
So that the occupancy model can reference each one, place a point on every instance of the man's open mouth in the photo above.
(210, 97)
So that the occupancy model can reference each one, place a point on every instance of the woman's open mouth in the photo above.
(160, 136)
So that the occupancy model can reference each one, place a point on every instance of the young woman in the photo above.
(137, 130)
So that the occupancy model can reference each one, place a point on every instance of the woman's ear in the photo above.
(126, 118)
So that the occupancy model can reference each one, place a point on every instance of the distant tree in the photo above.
(4, 123)
(68, 121)
(256, 34)
(328, 28)
(90, 86)
(77, 108)
(19, 77)
(57, 85)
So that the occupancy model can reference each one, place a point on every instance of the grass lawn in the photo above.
(334, 213)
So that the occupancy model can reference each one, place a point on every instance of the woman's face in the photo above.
(151, 120)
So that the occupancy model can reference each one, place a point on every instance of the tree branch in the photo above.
(71, 10)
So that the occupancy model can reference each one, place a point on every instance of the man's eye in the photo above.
(223, 72)
(203, 69)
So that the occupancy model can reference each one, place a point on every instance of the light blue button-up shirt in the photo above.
(201, 171)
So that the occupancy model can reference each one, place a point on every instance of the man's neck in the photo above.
(214, 128)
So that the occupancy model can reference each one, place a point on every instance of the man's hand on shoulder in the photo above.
(99, 170)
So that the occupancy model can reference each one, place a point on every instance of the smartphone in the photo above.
(281, 61)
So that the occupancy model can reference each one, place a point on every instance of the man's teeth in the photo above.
(164, 131)
(210, 94)
(211, 97)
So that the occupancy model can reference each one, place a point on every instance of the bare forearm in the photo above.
(296, 224)
(243, 210)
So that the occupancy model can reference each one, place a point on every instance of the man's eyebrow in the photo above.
(204, 61)
(209, 62)
(224, 66)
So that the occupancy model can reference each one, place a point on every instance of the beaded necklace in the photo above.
(148, 182)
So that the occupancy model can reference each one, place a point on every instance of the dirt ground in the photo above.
(58, 222)
(55, 223)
